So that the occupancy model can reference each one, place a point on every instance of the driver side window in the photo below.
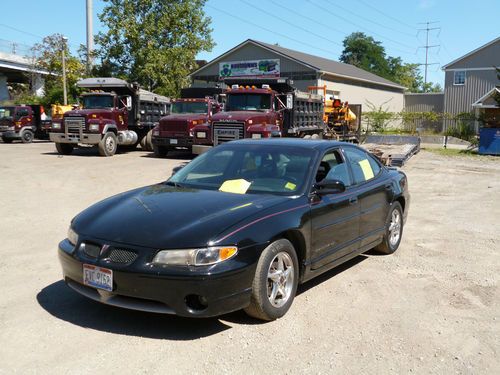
(333, 167)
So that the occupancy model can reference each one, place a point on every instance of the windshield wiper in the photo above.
(173, 183)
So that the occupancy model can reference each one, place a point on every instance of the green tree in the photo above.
(153, 42)
(48, 56)
(366, 53)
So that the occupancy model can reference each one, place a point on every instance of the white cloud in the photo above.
(426, 4)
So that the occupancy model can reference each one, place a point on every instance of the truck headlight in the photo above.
(201, 135)
(256, 135)
(195, 257)
(56, 125)
(72, 236)
(94, 127)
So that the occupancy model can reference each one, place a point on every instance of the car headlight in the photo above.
(256, 135)
(195, 257)
(72, 236)
(201, 135)
(94, 127)
(56, 125)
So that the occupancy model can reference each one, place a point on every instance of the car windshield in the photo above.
(98, 101)
(248, 102)
(189, 107)
(6, 112)
(247, 168)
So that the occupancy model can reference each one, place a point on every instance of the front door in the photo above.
(335, 217)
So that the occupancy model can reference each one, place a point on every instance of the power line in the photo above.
(289, 23)
(268, 30)
(374, 22)
(387, 15)
(362, 27)
(427, 46)
(31, 34)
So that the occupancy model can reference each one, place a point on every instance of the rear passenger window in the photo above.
(363, 167)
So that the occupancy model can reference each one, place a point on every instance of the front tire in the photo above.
(160, 151)
(64, 148)
(275, 282)
(108, 144)
(27, 136)
(393, 230)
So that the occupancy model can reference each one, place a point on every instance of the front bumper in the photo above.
(173, 142)
(85, 138)
(147, 288)
(200, 149)
(10, 134)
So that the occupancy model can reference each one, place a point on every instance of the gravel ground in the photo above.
(433, 307)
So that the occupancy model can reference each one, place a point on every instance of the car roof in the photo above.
(317, 144)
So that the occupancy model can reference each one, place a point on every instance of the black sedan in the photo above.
(239, 227)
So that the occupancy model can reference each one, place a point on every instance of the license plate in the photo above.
(173, 141)
(98, 277)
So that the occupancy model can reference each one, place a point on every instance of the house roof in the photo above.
(480, 103)
(472, 52)
(321, 64)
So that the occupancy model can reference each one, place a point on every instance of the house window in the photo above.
(459, 77)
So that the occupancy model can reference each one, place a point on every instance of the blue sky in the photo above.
(317, 27)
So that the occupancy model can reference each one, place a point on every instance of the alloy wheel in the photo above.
(395, 227)
(280, 279)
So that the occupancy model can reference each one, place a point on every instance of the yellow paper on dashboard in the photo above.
(366, 168)
(239, 186)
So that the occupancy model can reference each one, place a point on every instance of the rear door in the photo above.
(334, 217)
(373, 194)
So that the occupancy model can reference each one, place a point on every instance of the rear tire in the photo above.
(149, 141)
(160, 151)
(393, 230)
(275, 282)
(64, 148)
(27, 136)
(108, 144)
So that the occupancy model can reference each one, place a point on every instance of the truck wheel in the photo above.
(27, 136)
(160, 151)
(275, 282)
(149, 141)
(108, 144)
(64, 148)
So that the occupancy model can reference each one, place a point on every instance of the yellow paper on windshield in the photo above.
(235, 186)
(366, 168)
(290, 186)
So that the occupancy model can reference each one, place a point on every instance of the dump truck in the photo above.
(112, 113)
(195, 106)
(24, 122)
(261, 108)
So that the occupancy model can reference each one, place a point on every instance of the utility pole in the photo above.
(427, 46)
(90, 36)
(65, 93)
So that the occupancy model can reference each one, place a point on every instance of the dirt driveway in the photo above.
(433, 307)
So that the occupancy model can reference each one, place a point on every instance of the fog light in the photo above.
(256, 136)
(56, 125)
(201, 135)
(94, 127)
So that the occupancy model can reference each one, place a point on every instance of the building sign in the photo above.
(250, 68)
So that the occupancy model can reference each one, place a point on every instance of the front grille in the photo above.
(122, 256)
(74, 125)
(90, 250)
(227, 131)
(174, 126)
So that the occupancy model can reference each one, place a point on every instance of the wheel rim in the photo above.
(27, 136)
(110, 144)
(280, 279)
(395, 228)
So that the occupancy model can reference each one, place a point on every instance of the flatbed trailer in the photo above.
(392, 150)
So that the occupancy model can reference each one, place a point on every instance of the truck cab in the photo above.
(23, 122)
(112, 113)
(196, 106)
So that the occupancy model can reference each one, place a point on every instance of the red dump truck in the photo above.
(196, 106)
(261, 108)
(24, 123)
(113, 113)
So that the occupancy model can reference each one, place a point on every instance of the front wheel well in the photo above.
(299, 243)
(402, 202)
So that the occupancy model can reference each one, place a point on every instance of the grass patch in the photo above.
(452, 152)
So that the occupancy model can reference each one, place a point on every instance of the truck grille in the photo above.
(74, 125)
(228, 131)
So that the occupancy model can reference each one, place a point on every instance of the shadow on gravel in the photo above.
(63, 303)
(176, 155)
(79, 151)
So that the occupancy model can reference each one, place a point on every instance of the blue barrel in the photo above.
(489, 141)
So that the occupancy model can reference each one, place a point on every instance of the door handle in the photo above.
(353, 200)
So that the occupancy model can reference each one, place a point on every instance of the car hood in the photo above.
(162, 216)
(255, 116)
(104, 112)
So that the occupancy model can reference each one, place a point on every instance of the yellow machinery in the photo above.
(58, 110)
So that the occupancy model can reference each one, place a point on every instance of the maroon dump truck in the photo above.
(113, 113)
(196, 106)
(24, 123)
(261, 108)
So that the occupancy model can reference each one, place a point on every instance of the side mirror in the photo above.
(329, 187)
